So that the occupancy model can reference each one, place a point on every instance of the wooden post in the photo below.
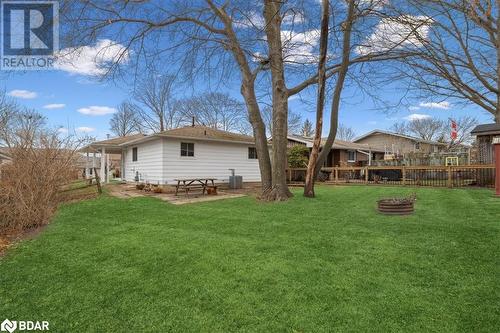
(450, 180)
(496, 145)
(366, 175)
(336, 175)
(98, 181)
(403, 171)
(102, 175)
(290, 175)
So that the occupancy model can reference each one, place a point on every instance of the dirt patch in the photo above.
(11, 237)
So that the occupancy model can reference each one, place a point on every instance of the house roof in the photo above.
(189, 132)
(118, 140)
(337, 144)
(409, 137)
(206, 133)
(486, 129)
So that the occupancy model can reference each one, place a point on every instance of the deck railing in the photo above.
(436, 176)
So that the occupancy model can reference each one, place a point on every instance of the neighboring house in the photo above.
(397, 145)
(187, 152)
(484, 137)
(343, 153)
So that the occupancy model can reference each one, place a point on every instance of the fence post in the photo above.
(403, 171)
(289, 175)
(336, 175)
(366, 175)
(450, 182)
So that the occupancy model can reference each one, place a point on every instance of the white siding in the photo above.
(149, 162)
(160, 161)
(211, 159)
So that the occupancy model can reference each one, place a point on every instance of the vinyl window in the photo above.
(187, 149)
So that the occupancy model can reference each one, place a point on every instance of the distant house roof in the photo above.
(486, 129)
(409, 137)
(337, 144)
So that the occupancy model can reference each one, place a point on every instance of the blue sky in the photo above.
(72, 95)
(72, 98)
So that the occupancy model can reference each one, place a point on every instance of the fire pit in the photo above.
(397, 206)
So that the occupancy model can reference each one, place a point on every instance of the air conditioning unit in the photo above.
(235, 182)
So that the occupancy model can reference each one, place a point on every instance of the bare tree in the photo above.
(347, 28)
(307, 129)
(211, 40)
(294, 124)
(465, 125)
(126, 121)
(429, 129)
(156, 94)
(320, 104)
(345, 133)
(399, 127)
(460, 57)
(215, 110)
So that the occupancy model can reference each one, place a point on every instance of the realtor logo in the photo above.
(30, 34)
(22, 325)
(8, 326)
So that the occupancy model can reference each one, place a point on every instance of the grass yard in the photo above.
(322, 265)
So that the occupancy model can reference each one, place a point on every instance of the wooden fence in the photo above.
(437, 176)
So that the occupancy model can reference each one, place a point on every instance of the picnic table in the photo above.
(187, 184)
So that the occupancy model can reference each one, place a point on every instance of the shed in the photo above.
(484, 137)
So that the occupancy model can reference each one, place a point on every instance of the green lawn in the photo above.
(321, 265)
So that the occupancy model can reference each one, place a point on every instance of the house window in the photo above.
(351, 156)
(417, 145)
(134, 154)
(187, 149)
(252, 153)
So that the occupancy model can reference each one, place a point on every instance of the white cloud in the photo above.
(97, 110)
(54, 106)
(298, 47)
(396, 32)
(436, 105)
(24, 94)
(63, 130)
(84, 129)
(417, 116)
(91, 60)
(414, 108)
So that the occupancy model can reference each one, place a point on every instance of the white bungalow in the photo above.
(187, 152)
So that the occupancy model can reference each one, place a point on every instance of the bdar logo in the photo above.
(8, 326)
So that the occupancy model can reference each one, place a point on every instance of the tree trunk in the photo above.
(334, 117)
(279, 190)
(259, 133)
(497, 116)
(248, 92)
(311, 166)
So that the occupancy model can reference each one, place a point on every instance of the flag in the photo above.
(454, 132)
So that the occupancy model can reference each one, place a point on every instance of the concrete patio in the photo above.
(125, 191)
